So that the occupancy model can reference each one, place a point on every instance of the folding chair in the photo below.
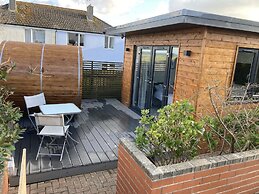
(53, 127)
(32, 102)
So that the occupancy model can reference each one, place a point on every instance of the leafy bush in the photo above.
(235, 126)
(172, 136)
(9, 116)
(237, 131)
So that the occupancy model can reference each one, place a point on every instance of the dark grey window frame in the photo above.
(253, 73)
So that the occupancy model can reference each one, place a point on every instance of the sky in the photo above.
(118, 12)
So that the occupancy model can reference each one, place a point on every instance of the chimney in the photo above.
(12, 5)
(90, 12)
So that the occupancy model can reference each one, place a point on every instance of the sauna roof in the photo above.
(50, 17)
(184, 18)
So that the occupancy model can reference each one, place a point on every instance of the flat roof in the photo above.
(188, 17)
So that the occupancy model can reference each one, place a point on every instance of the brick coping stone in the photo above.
(161, 172)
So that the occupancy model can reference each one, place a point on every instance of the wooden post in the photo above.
(22, 181)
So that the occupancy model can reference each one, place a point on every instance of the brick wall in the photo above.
(241, 177)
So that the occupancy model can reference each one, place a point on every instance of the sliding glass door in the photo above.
(160, 65)
(142, 84)
(154, 77)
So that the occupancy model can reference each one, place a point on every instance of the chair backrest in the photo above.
(34, 101)
(49, 120)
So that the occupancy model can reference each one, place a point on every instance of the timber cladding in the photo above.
(61, 76)
(212, 60)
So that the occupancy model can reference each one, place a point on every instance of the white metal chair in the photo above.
(53, 127)
(33, 102)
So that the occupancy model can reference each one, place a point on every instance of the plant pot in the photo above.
(235, 173)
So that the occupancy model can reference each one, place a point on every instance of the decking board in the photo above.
(97, 129)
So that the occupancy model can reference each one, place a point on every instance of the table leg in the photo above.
(69, 117)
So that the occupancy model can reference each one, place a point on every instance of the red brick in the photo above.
(131, 181)
(185, 177)
(246, 188)
(208, 186)
(234, 179)
(247, 169)
(219, 170)
(163, 182)
(251, 190)
(210, 178)
(252, 163)
(241, 183)
(203, 173)
(184, 191)
(210, 191)
(227, 174)
(172, 188)
(237, 166)
(156, 191)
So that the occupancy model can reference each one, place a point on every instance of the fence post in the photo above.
(22, 181)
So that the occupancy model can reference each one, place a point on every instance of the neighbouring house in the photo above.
(179, 54)
(38, 23)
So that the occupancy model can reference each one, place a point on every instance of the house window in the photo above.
(246, 76)
(75, 39)
(109, 42)
(35, 36)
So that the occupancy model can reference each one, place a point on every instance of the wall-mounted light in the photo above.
(187, 53)
(128, 49)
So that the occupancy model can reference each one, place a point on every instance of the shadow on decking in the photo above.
(97, 129)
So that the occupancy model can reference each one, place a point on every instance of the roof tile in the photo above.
(51, 17)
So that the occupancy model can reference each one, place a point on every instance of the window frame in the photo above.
(254, 70)
(109, 42)
(78, 38)
(31, 30)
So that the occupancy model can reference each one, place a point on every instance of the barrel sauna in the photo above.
(55, 70)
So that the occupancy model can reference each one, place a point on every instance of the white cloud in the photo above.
(247, 9)
(160, 9)
(118, 12)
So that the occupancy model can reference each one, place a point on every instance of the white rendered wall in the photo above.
(50, 36)
(17, 33)
(12, 33)
(61, 38)
(94, 49)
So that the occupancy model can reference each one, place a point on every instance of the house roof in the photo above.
(51, 17)
(186, 18)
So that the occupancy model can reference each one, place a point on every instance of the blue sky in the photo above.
(117, 12)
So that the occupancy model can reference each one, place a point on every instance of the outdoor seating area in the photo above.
(92, 140)
(167, 103)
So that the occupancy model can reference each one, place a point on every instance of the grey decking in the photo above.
(97, 128)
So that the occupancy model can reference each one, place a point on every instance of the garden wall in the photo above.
(232, 173)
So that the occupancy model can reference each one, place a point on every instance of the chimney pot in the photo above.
(12, 5)
(90, 12)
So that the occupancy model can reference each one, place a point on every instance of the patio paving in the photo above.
(97, 129)
(103, 182)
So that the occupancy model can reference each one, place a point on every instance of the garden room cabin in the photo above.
(180, 54)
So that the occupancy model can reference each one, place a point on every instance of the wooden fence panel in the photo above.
(102, 80)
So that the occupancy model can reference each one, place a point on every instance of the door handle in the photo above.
(148, 81)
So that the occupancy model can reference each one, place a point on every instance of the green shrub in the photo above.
(9, 116)
(237, 131)
(172, 136)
